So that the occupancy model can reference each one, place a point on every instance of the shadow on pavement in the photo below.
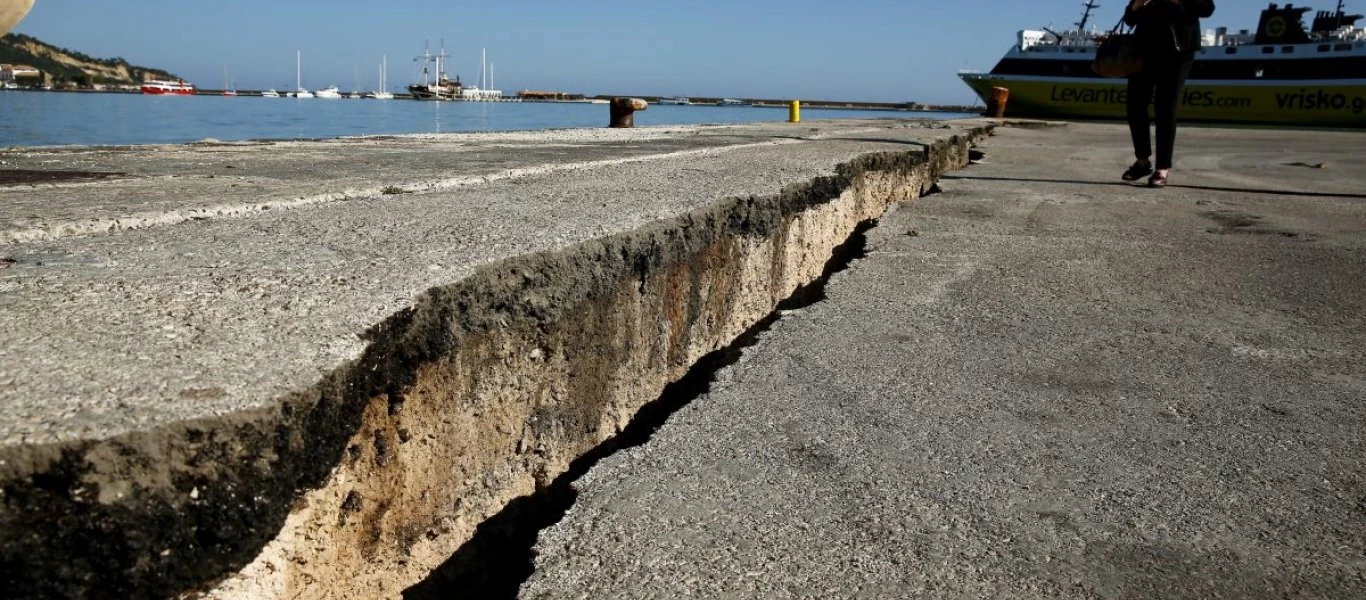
(1210, 188)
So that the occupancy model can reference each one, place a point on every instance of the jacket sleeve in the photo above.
(1196, 8)
(1130, 16)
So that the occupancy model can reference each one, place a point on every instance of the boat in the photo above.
(731, 102)
(674, 101)
(383, 92)
(299, 91)
(1282, 74)
(330, 92)
(228, 88)
(439, 88)
(157, 87)
(484, 92)
(271, 93)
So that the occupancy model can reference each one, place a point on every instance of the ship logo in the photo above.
(1275, 27)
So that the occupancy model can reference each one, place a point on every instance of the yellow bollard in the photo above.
(794, 112)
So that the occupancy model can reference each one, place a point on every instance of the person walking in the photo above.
(1168, 36)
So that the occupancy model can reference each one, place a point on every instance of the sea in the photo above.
(38, 118)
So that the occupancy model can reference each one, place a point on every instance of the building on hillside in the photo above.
(15, 75)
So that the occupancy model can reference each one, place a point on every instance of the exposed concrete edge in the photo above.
(142, 220)
(514, 366)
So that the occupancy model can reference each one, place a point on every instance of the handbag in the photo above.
(1118, 54)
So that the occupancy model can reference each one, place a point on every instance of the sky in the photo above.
(858, 50)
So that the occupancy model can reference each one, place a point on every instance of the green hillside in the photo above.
(62, 66)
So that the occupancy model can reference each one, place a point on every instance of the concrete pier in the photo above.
(1040, 383)
(331, 369)
(287, 369)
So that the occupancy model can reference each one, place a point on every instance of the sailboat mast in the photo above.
(298, 69)
(1086, 16)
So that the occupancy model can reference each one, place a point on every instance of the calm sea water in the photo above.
(51, 118)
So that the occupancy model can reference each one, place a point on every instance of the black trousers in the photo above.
(1159, 84)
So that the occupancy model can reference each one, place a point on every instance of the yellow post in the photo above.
(794, 112)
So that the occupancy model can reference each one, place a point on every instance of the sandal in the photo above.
(1139, 170)
(1159, 179)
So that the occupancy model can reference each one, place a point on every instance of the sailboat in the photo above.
(483, 91)
(383, 93)
(300, 92)
(227, 83)
(443, 88)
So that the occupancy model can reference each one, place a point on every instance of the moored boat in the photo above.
(158, 87)
(299, 90)
(330, 92)
(440, 87)
(383, 92)
(1283, 73)
(271, 93)
(675, 101)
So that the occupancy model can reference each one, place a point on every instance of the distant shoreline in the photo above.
(698, 101)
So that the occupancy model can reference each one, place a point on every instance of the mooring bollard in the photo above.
(794, 112)
(996, 109)
(624, 110)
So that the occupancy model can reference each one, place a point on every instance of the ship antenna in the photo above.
(1086, 16)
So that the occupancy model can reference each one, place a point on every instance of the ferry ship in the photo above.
(167, 88)
(1281, 74)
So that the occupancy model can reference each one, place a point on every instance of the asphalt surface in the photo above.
(1042, 382)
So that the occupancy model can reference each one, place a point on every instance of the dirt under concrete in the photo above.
(478, 392)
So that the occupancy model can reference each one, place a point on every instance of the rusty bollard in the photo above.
(996, 108)
(624, 110)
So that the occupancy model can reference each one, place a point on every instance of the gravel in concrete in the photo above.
(1042, 382)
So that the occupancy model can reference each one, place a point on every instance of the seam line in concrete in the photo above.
(65, 229)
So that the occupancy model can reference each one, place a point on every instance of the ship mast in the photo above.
(1086, 16)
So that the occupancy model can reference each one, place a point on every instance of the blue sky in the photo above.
(872, 50)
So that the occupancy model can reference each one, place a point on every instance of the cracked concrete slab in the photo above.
(1042, 382)
(187, 370)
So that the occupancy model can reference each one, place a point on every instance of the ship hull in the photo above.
(1322, 103)
(159, 91)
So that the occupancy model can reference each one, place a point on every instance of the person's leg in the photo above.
(1138, 96)
(1169, 82)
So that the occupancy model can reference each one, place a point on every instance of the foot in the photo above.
(1159, 179)
(1139, 170)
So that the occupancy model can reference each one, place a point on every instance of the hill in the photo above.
(65, 67)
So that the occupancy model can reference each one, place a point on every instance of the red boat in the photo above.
(167, 88)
